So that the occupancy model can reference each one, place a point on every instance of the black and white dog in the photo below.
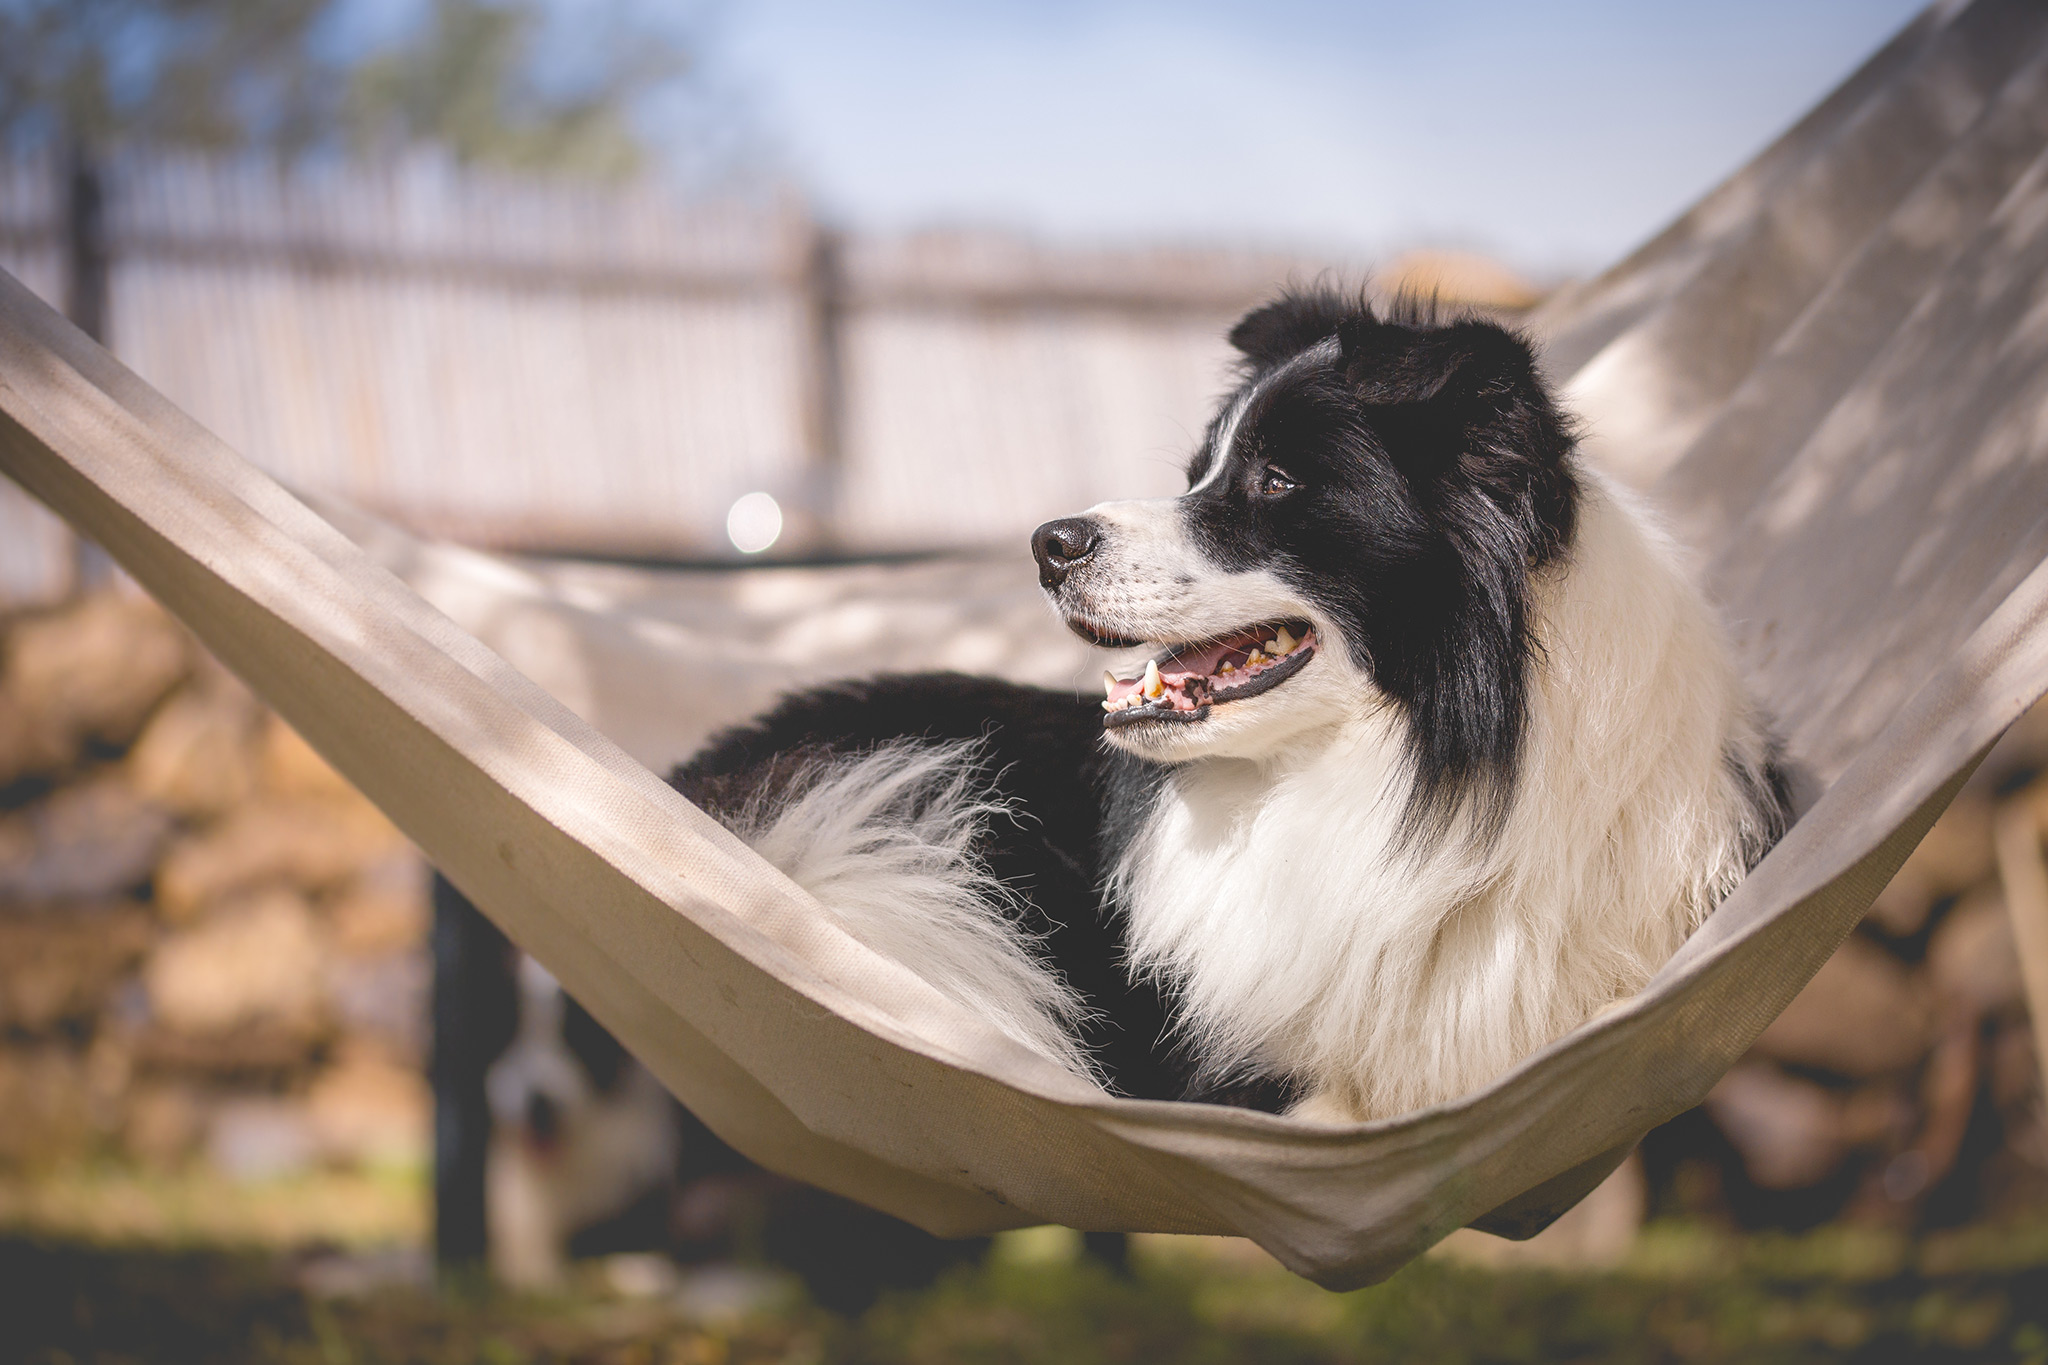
(1439, 751)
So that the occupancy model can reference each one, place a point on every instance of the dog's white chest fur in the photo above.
(1269, 886)
(1300, 934)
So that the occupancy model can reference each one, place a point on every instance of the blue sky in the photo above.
(1555, 135)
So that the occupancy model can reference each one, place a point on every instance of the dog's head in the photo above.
(1361, 524)
(560, 1068)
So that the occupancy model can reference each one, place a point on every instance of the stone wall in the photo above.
(1902, 1083)
(213, 949)
(210, 945)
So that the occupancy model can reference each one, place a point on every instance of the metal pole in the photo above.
(85, 242)
(85, 299)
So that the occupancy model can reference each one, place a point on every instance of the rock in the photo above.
(27, 747)
(1955, 856)
(305, 844)
(642, 1275)
(197, 755)
(359, 1272)
(90, 672)
(252, 964)
(259, 1055)
(1793, 1133)
(291, 767)
(722, 1296)
(45, 1112)
(221, 684)
(1957, 853)
(88, 841)
(60, 966)
(384, 1001)
(2016, 1088)
(2023, 749)
(109, 1073)
(164, 1124)
(260, 1138)
(1594, 1233)
(369, 1111)
(1972, 960)
(384, 910)
(2035, 797)
(1863, 1014)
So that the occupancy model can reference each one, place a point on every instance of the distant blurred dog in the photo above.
(1438, 750)
(589, 1156)
(582, 1137)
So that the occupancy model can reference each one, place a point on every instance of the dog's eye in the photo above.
(1275, 482)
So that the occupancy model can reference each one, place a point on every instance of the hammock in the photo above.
(1834, 366)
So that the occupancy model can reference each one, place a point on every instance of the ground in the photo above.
(104, 1269)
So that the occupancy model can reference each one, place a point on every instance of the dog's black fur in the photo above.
(1430, 476)
(1407, 476)
(1043, 755)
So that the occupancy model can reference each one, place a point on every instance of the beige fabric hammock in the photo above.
(1833, 366)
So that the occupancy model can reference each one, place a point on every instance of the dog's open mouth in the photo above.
(1184, 683)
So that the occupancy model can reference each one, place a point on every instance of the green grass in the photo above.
(198, 1206)
(1743, 1309)
(103, 1264)
(1687, 1295)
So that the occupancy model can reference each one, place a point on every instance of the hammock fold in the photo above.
(1835, 370)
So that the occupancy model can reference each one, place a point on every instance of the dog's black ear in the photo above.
(1291, 324)
(1465, 363)
(1468, 397)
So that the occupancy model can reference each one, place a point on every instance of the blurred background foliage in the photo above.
(291, 77)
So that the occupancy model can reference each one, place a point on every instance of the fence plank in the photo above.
(562, 366)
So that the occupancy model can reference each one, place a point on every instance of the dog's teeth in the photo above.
(1153, 686)
(1109, 682)
(1254, 659)
(1283, 643)
(1228, 667)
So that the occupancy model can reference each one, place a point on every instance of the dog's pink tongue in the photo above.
(1180, 671)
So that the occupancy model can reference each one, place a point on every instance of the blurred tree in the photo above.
(176, 71)
(281, 75)
(471, 85)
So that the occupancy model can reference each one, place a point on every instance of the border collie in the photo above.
(589, 1156)
(1438, 751)
(581, 1136)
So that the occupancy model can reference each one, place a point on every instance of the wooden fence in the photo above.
(550, 366)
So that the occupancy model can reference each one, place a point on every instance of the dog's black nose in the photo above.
(1059, 545)
(543, 1118)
